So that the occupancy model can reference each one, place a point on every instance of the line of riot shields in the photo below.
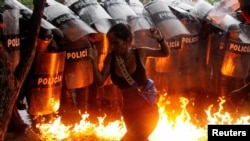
(61, 78)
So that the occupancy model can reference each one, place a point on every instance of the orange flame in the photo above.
(174, 129)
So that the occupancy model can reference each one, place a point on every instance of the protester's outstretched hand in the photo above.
(93, 53)
(156, 34)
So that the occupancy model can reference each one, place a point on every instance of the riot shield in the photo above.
(214, 15)
(220, 16)
(92, 13)
(189, 53)
(119, 10)
(223, 8)
(65, 19)
(190, 21)
(78, 71)
(141, 39)
(170, 63)
(140, 26)
(47, 83)
(181, 4)
(164, 19)
(245, 28)
(190, 47)
(136, 5)
(227, 21)
(26, 12)
(236, 61)
(141, 21)
(201, 9)
(11, 38)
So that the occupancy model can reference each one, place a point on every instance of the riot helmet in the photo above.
(234, 28)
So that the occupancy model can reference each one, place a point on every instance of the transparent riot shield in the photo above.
(223, 8)
(78, 71)
(190, 47)
(220, 16)
(217, 15)
(236, 60)
(119, 10)
(170, 63)
(92, 13)
(140, 26)
(201, 9)
(245, 28)
(11, 38)
(136, 5)
(190, 21)
(189, 53)
(141, 21)
(185, 5)
(26, 12)
(141, 39)
(65, 19)
(164, 19)
(47, 83)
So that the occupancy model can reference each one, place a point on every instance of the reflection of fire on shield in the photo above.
(92, 13)
(170, 64)
(48, 77)
(99, 40)
(236, 60)
(66, 20)
(78, 71)
(166, 21)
